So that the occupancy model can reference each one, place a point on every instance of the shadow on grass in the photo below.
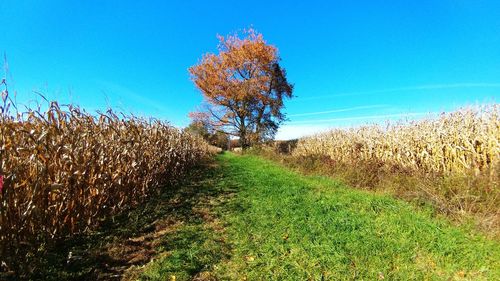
(174, 228)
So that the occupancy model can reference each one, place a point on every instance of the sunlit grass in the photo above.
(284, 226)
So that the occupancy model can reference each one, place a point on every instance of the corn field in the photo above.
(464, 142)
(452, 161)
(63, 171)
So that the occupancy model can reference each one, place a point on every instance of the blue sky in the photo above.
(352, 62)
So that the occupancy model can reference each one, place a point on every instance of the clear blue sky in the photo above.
(352, 62)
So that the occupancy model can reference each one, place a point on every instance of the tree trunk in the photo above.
(243, 134)
(244, 140)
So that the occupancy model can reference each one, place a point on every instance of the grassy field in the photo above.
(246, 218)
(450, 161)
(265, 222)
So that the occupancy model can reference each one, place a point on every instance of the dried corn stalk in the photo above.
(64, 170)
(464, 142)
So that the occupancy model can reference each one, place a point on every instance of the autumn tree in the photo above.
(244, 88)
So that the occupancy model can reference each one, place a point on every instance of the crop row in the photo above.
(63, 171)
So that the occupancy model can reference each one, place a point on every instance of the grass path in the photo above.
(246, 218)
(265, 222)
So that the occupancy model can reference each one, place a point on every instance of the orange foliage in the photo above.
(244, 87)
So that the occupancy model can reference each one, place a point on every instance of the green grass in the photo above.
(281, 225)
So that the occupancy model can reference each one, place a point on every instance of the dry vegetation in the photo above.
(452, 161)
(63, 171)
(461, 142)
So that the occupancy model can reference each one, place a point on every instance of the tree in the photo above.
(202, 129)
(197, 127)
(244, 88)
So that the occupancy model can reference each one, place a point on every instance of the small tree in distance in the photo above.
(244, 88)
(216, 138)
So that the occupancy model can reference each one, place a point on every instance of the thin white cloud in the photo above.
(407, 89)
(338, 110)
(369, 117)
(299, 129)
(126, 93)
(288, 132)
